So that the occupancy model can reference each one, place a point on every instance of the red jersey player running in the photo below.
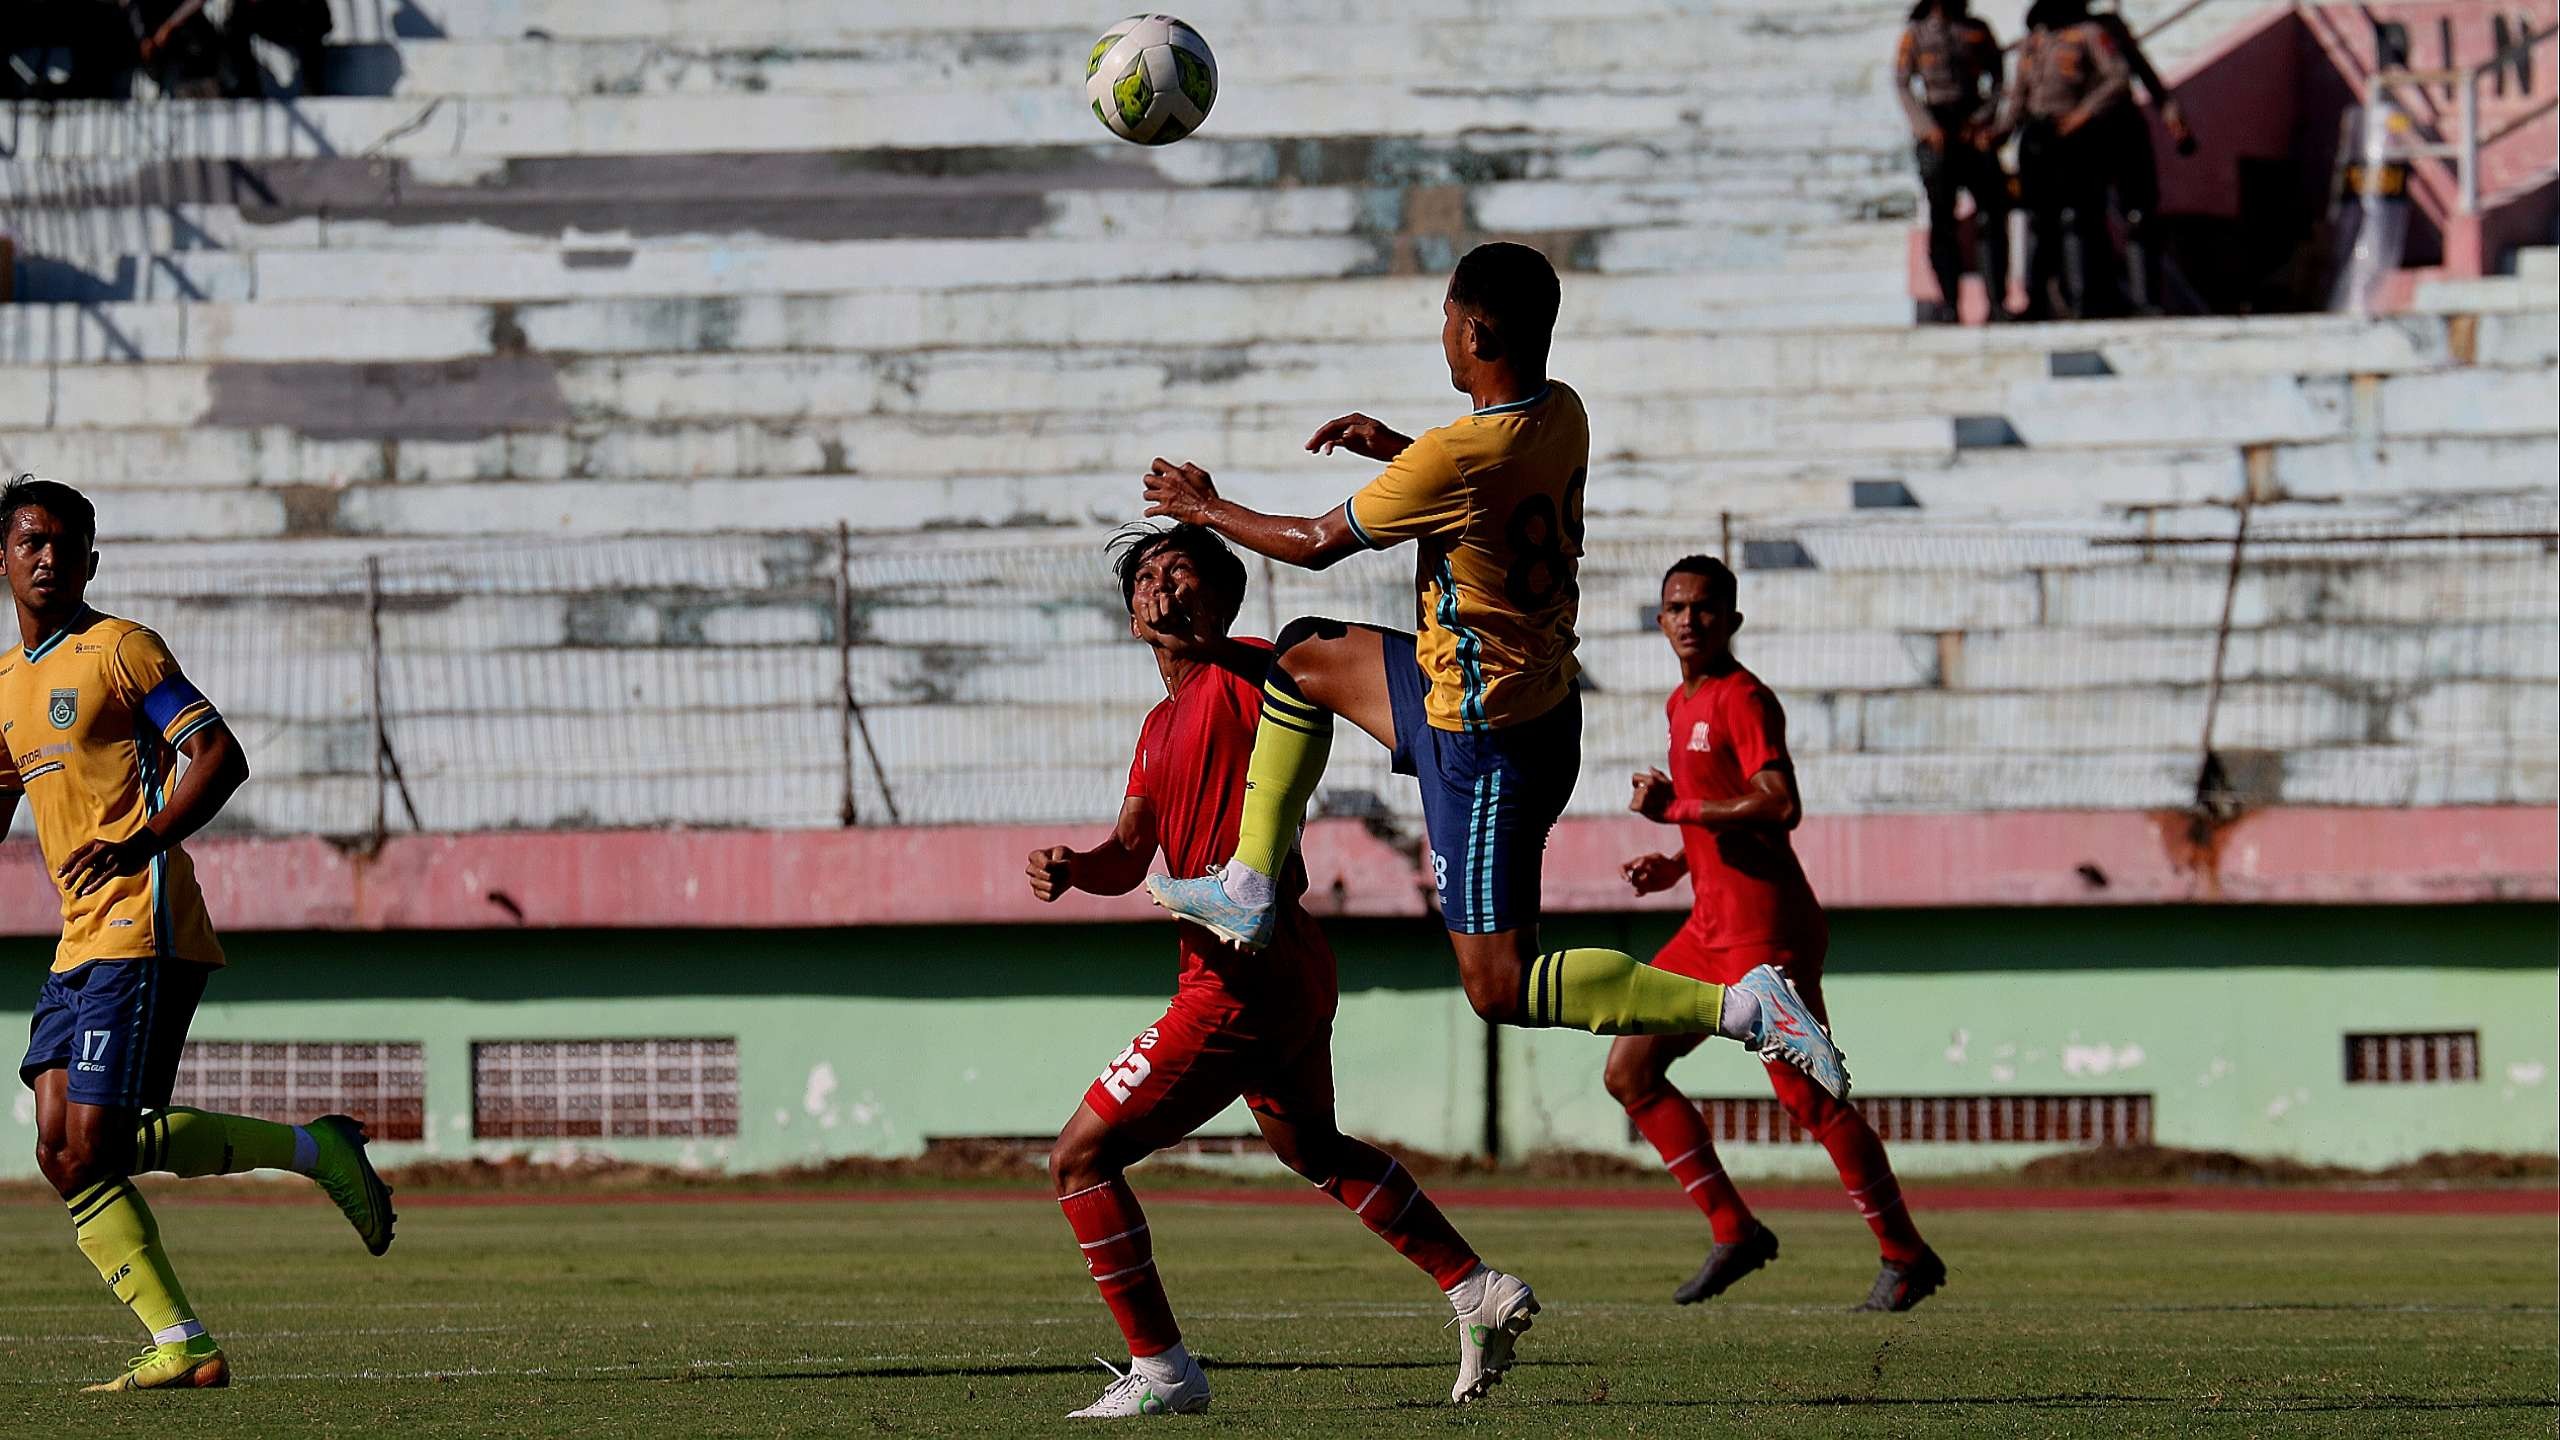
(1259, 1027)
(1732, 792)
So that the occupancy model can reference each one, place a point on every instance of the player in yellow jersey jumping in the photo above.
(93, 717)
(1480, 705)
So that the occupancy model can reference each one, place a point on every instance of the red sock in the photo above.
(1679, 1135)
(1376, 1187)
(1859, 1157)
(1113, 1231)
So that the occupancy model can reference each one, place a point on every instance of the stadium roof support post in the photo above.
(2209, 778)
(850, 721)
(847, 812)
(387, 775)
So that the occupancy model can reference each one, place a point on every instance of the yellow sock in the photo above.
(1608, 992)
(191, 1143)
(1289, 751)
(119, 1236)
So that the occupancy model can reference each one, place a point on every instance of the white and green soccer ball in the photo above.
(1151, 79)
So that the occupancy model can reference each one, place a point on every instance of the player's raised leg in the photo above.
(1319, 669)
(1638, 1077)
(1493, 1309)
(190, 1143)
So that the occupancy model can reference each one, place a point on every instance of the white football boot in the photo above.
(1488, 1331)
(1131, 1393)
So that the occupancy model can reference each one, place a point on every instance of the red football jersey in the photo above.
(1749, 890)
(1190, 768)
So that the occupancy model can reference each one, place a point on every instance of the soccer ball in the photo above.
(1151, 79)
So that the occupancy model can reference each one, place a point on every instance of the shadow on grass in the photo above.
(1000, 1372)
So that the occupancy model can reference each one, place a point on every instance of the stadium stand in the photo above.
(535, 370)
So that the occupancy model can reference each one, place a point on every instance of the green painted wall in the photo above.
(869, 1042)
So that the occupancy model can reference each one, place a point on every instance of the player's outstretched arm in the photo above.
(1311, 542)
(1113, 867)
(215, 769)
(1361, 435)
(1768, 800)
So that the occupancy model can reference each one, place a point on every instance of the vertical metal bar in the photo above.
(2221, 651)
(846, 811)
(2471, 143)
(373, 675)
(1724, 541)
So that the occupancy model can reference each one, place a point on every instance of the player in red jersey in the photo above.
(1252, 1026)
(1732, 793)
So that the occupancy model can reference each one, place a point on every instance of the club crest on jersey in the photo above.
(64, 710)
(1698, 736)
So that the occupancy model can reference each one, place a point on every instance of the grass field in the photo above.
(946, 1317)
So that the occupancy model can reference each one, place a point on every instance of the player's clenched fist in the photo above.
(1052, 872)
(1648, 874)
(1360, 435)
(1652, 797)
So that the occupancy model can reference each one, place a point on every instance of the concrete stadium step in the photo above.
(1245, 319)
(273, 484)
(1758, 191)
(1707, 304)
(611, 269)
(487, 128)
(367, 20)
(1495, 48)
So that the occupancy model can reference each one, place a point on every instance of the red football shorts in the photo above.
(1203, 1056)
(1687, 954)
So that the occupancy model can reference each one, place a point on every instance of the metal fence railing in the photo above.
(802, 679)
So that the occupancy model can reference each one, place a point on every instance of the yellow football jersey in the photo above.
(1494, 500)
(90, 722)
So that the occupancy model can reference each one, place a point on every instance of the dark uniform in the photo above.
(2069, 72)
(1947, 73)
(2124, 136)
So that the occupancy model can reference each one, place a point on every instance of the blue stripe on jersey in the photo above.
(1470, 651)
(1351, 517)
(1515, 406)
(45, 646)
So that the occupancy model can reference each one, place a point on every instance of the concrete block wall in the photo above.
(541, 277)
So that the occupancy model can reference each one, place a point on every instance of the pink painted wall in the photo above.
(748, 879)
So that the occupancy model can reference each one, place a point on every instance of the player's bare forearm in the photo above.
(215, 771)
(1107, 869)
(1185, 493)
(1113, 867)
(8, 811)
(1767, 803)
(1311, 542)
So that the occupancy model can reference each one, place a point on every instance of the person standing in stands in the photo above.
(2069, 72)
(1947, 74)
(2123, 138)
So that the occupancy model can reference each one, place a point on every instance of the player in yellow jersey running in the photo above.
(94, 715)
(1479, 705)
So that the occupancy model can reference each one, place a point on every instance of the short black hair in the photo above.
(54, 498)
(1723, 593)
(1219, 565)
(1514, 289)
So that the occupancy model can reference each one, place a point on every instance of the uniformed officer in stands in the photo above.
(2069, 72)
(2125, 137)
(1947, 73)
